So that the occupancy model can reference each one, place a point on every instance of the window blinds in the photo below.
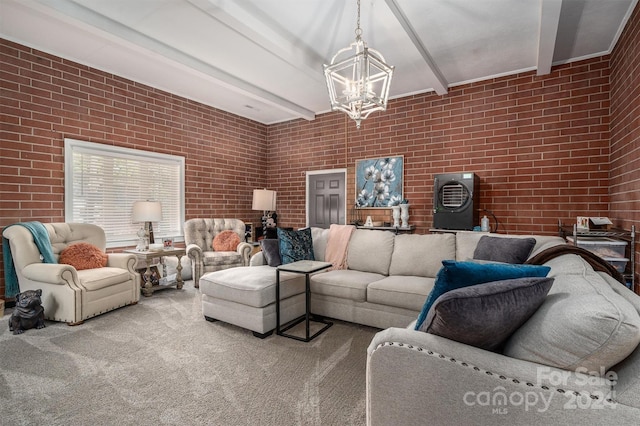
(102, 182)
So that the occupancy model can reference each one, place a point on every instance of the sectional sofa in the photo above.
(387, 281)
(574, 361)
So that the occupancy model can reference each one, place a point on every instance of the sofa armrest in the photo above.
(257, 259)
(197, 262)
(51, 273)
(123, 260)
(194, 252)
(416, 378)
(244, 250)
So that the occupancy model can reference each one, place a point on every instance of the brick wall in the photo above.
(540, 146)
(45, 99)
(625, 129)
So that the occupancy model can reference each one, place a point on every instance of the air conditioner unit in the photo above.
(456, 201)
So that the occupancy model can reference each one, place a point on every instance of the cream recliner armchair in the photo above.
(69, 295)
(199, 235)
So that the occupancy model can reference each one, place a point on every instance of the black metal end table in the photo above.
(306, 267)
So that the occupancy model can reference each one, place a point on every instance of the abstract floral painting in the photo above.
(379, 182)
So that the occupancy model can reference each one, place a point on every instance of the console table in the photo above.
(398, 230)
(148, 255)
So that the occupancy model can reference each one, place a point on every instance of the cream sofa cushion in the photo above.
(421, 255)
(407, 292)
(320, 236)
(251, 285)
(370, 251)
(343, 283)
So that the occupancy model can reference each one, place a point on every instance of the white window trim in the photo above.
(74, 145)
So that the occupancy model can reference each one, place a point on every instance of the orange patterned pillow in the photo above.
(226, 241)
(83, 256)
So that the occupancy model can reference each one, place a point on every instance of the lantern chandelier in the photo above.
(359, 82)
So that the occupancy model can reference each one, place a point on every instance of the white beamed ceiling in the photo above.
(262, 59)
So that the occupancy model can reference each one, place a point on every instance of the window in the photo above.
(102, 182)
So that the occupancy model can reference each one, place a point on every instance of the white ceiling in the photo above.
(262, 59)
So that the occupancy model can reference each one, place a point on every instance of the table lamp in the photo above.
(147, 212)
(265, 200)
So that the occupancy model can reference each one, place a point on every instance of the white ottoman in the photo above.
(245, 296)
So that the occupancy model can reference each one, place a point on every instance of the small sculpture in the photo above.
(28, 312)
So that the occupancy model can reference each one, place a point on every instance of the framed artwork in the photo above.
(379, 182)
(168, 243)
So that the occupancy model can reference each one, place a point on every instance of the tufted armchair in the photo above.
(69, 295)
(199, 235)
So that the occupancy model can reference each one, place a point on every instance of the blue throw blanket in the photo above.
(41, 238)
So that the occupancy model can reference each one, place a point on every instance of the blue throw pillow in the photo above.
(295, 245)
(454, 274)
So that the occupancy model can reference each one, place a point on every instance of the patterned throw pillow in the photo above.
(295, 245)
(226, 241)
(83, 256)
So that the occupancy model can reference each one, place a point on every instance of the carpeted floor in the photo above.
(160, 362)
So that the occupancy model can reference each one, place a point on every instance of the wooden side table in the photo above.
(148, 255)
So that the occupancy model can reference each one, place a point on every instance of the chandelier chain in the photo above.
(358, 29)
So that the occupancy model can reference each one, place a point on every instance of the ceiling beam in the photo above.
(127, 34)
(268, 35)
(549, 20)
(441, 85)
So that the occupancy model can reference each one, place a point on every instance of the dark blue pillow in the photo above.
(455, 274)
(295, 245)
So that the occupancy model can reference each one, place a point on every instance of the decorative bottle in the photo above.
(484, 224)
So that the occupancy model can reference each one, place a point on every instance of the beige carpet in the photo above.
(159, 362)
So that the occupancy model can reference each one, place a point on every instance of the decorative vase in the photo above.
(396, 216)
(404, 215)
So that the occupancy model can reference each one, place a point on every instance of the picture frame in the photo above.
(379, 182)
(249, 232)
(167, 243)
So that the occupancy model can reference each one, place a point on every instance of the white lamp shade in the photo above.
(264, 199)
(147, 211)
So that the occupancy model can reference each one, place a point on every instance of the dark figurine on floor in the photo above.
(28, 312)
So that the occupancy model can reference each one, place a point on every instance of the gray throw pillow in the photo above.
(507, 250)
(485, 315)
(271, 251)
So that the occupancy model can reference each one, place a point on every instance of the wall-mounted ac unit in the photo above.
(456, 201)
